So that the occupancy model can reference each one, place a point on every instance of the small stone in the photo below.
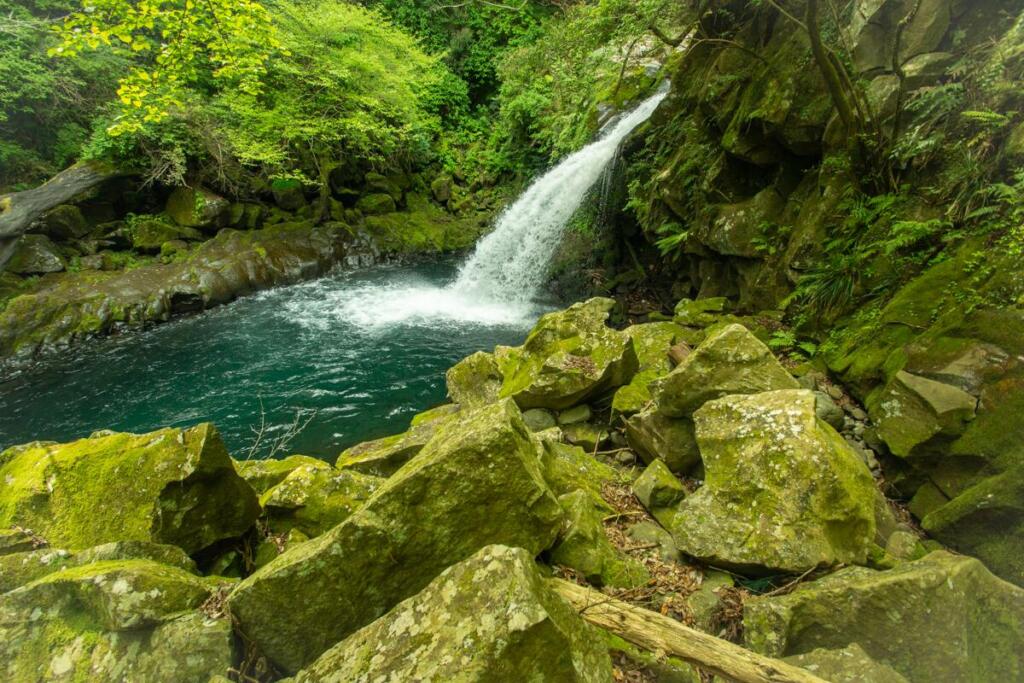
(538, 419)
(858, 413)
(657, 487)
(581, 413)
(626, 458)
(834, 392)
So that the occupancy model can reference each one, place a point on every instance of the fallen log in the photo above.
(18, 210)
(658, 633)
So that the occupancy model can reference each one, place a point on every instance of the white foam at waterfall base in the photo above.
(498, 284)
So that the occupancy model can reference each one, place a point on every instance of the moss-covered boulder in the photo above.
(289, 193)
(655, 436)
(474, 381)
(912, 409)
(194, 207)
(383, 457)
(783, 491)
(315, 499)
(266, 473)
(20, 568)
(36, 255)
(584, 546)
(477, 482)
(657, 488)
(569, 468)
(150, 234)
(652, 342)
(113, 620)
(569, 357)
(730, 361)
(941, 618)
(488, 618)
(170, 486)
(65, 222)
(376, 204)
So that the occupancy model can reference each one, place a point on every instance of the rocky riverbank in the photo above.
(676, 464)
(80, 275)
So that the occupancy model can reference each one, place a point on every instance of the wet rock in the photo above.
(477, 482)
(173, 486)
(657, 437)
(36, 255)
(196, 207)
(475, 381)
(316, 499)
(730, 361)
(488, 618)
(783, 491)
(900, 618)
(569, 357)
(113, 621)
(584, 546)
(538, 419)
(913, 409)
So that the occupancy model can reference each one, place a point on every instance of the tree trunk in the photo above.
(655, 632)
(18, 210)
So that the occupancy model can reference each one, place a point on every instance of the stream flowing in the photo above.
(351, 356)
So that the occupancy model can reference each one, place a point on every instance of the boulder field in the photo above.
(677, 465)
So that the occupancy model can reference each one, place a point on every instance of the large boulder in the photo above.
(474, 381)
(655, 436)
(569, 357)
(266, 473)
(114, 620)
(783, 491)
(65, 222)
(652, 342)
(912, 409)
(150, 234)
(194, 207)
(477, 482)
(384, 457)
(315, 499)
(488, 618)
(730, 360)
(36, 255)
(941, 618)
(170, 486)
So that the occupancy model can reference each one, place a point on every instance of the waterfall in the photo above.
(499, 283)
(509, 264)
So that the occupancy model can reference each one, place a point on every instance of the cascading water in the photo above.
(508, 265)
(499, 283)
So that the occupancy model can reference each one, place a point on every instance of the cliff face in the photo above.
(896, 246)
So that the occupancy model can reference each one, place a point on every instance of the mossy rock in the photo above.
(36, 255)
(289, 194)
(376, 204)
(568, 358)
(475, 380)
(488, 618)
(266, 473)
(846, 665)
(150, 234)
(383, 457)
(65, 222)
(477, 482)
(657, 488)
(316, 499)
(652, 342)
(173, 486)
(912, 409)
(196, 207)
(655, 436)
(730, 361)
(584, 546)
(899, 617)
(783, 491)
(113, 620)
(569, 468)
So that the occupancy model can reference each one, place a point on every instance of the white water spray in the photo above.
(509, 264)
(498, 284)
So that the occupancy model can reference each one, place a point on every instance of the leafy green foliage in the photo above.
(175, 46)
